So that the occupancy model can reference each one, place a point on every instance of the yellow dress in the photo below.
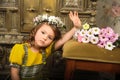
(33, 61)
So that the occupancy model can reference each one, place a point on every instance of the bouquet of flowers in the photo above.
(104, 37)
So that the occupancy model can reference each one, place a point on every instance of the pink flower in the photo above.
(77, 33)
(102, 33)
(104, 37)
(114, 37)
(101, 44)
(109, 32)
(80, 38)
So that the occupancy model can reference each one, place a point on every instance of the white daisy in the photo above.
(109, 46)
(94, 40)
(83, 32)
(96, 30)
(85, 40)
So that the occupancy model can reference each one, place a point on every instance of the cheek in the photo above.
(37, 36)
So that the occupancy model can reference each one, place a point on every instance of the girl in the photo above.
(27, 59)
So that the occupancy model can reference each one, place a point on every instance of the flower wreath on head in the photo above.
(50, 19)
(102, 37)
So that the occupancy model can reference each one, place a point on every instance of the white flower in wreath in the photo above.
(44, 17)
(50, 19)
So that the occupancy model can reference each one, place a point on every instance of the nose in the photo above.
(45, 37)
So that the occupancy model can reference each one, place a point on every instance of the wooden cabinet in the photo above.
(30, 9)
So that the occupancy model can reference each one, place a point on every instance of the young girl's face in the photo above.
(44, 36)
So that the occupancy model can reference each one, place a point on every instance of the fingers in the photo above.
(72, 14)
(75, 13)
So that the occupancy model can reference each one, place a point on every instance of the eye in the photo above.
(42, 32)
(51, 38)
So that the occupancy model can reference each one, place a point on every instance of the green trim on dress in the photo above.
(32, 72)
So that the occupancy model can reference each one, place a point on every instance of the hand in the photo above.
(75, 19)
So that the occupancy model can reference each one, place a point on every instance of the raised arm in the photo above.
(67, 36)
